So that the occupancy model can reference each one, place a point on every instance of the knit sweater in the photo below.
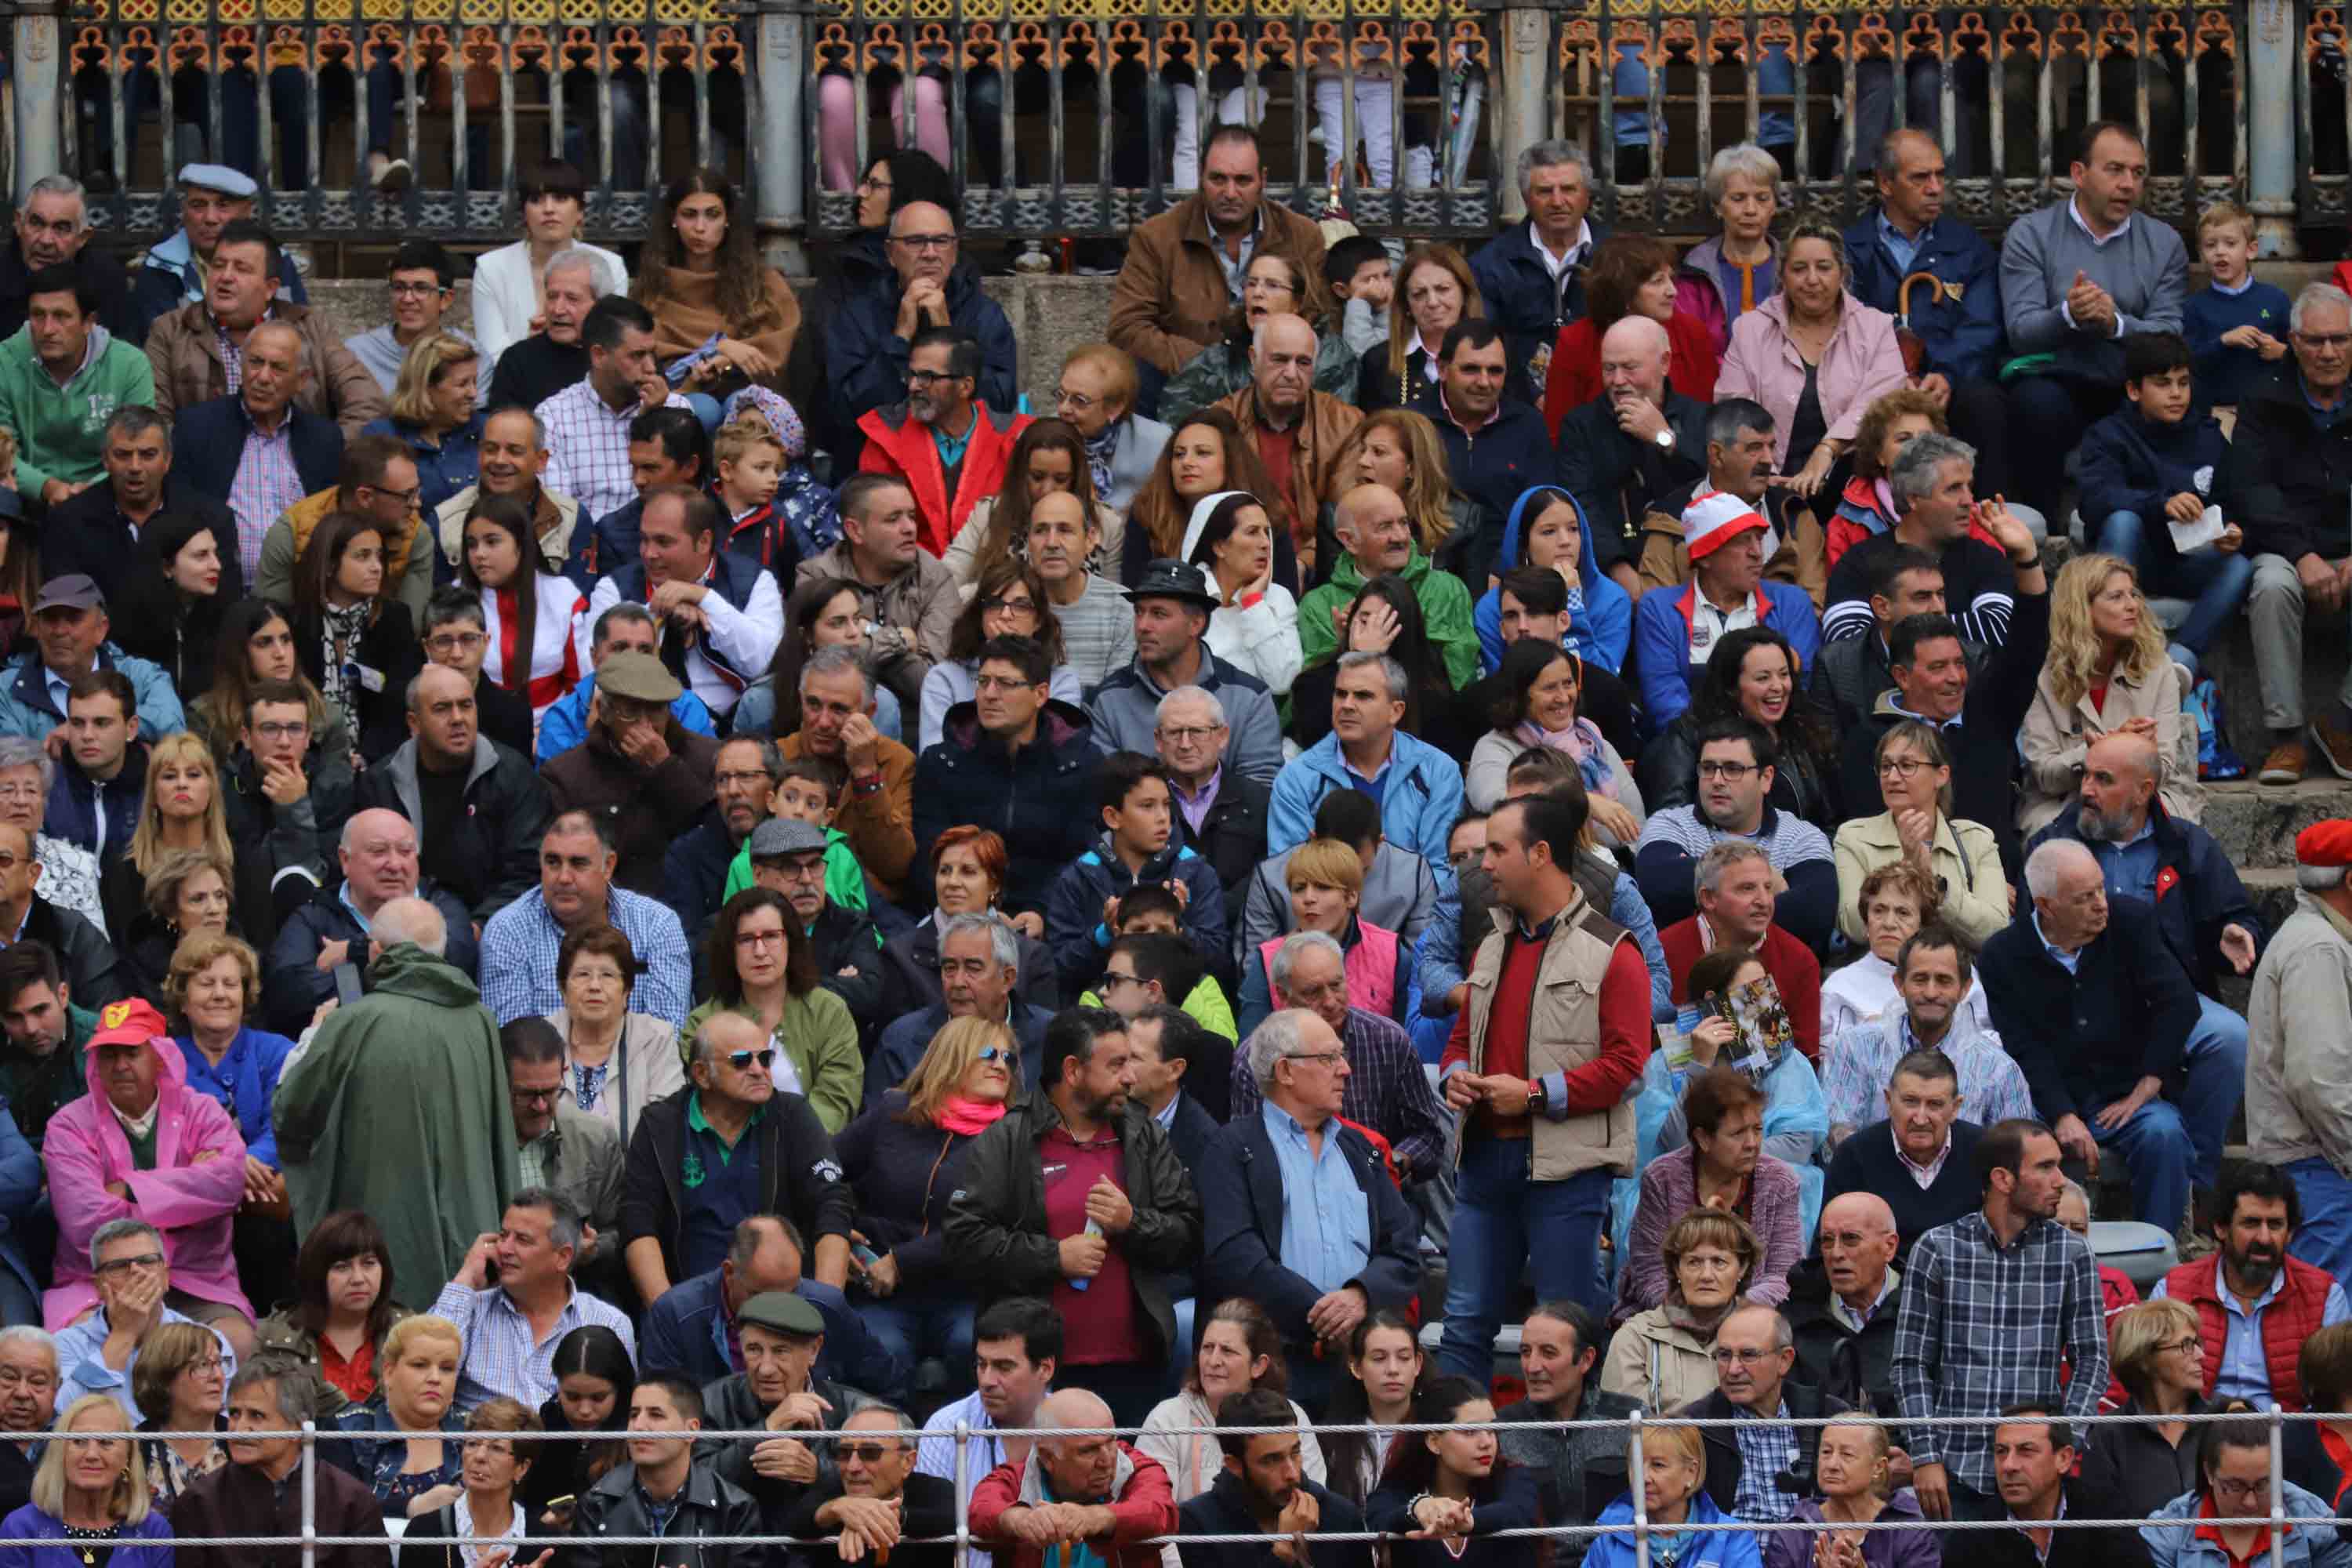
(2145, 269)
(1097, 631)
(1868, 1162)
(688, 313)
(2222, 374)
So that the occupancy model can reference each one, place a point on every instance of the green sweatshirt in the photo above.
(61, 431)
(1444, 608)
(845, 878)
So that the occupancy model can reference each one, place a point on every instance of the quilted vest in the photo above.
(2293, 1316)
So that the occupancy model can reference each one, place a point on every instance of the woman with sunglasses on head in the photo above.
(1008, 600)
(904, 1159)
(762, 964)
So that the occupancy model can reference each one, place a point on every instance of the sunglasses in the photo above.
(994, 1054)
(865, 1453)
(741, 1060)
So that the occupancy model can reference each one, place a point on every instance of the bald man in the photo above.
(1625, 452)
(1298, 431)
(1841, 1304)
(866, 340)
(1377, 537)
(378, 858)
(1088, 1487)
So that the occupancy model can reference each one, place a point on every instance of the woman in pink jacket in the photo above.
(1814, 356)
(184, 1173)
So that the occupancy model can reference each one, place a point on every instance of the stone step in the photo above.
(2256, 824)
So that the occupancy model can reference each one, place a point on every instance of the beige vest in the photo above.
(1563, 1034)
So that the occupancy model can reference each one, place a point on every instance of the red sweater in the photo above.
(1625, 1029)
(1789, 961)
(1146, 1509)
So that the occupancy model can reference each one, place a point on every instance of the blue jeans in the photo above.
(2324, 1239)
(1504, 1222)
(919, 1325)
(2215, 580)
(2169, 1145)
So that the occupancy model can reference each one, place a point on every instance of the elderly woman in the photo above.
(1849, 1468)
(761, 963)
(1664, 1356)
(400, 1446)
(2157, 1350)
(904, 1159)
(509, 283)
(1533, 700)
(615, 1062)
(436, 410)
(1672, 1461)
(1239, 1349)
(213, 986)
(90, 1496)
(1814, 356)
(1961, 860)
(489, 1505)
(187, 892)
(1629, 274)
(2107, 672)
(344, 1306)
(1273, 284)
(1723, 1167)
(1326, 879)
(1725, 277)
(1867, 507)
(71, 877)
(967, 879)
(178, 1384)
(1445, 1496)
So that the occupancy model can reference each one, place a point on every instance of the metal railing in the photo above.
(1640, 1527)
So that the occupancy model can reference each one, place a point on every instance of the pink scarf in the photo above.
(967, 1118)
(1581, 741)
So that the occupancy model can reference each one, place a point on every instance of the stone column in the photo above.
(2271, 66)
(1526, 105)
(779, 174)
(40, 78)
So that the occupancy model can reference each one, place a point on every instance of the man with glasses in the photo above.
(980, 978)
(456, 634)
(729, 1148)
(562, 1148)
(1736, 758)
(868, 344)
(2293, 449)
(947, 441)
(745, 770)
(640, 770)
(1219, 816)
(423, 282)
(377, 856)
(1288, 1152)
(378, 479)
(576, 867)
(1755, 1464)
(875, 1497)
(132, 1277)
(95, 971)
(1097, 397)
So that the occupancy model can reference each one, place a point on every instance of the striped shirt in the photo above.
(522, 942)
(265, 485)
(1982, 1327)
(501, 1356)
(588, 448)
(1859, 1064)
(1790, 841)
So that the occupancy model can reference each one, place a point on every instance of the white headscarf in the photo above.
(1203, 510)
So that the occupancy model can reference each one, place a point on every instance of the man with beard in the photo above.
(945, 441)
(1172, 604)
(871, 343)
(2255, 1305)
(1263, 1488)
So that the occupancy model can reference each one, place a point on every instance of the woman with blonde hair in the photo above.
(1436, 290)
(2107, 672)
(178, 1384)
(185, 807)
(437, 408)
(1275, 283)
(904, 1157)
(90, 1496)
(1669, 1464)
(401, 1444)
(2158, 1350)
(1326, 880)
(1399, 448)
(1961, 859)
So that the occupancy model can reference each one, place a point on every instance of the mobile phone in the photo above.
(567, 1501)
(346, 983)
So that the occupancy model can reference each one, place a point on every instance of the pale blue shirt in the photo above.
(1327, 1225)
(1900, 245)
(2068, 961)
(2130, 867)
(82, 1369)
(2245, 1370)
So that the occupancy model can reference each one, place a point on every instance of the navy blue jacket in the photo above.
(1520, 296)
(1242, 1201)
(1074, 927)
(693, 872)
(2203, 896)
(1224, 1510)
(2290, 473)
(208, 440)
(75, 799)
(2130, 463)
(866, 359)
(89, 534)
(733, 577)
(1040, 801)
(686, 1331)
(1963, 336)
(2083, 1039)
(292, 983)
(1617, 480)
(1493, 466)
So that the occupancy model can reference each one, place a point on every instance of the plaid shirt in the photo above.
(266, 483)
(1983, 1327)
(1860, 1063)
(522, 942)
(1766, 1449)
(1387, 1091)
(588, 448)
(501, 1358)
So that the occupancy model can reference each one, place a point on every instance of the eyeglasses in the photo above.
(407, 498)
(1112, 977)
(138, 1260)
(1899, 767)
(925, 377)
(2184, 1345)
(414, 290)
(1078, 400)
(1324, 1058)
(1000, 602)
(276, 731)
(1189, 734)
(2240, 1491)
(808, 868)
(452, 642)
(1001, 683)
(2333, 341)
(872, 182)
(866, 1453)
(746, 777)
(925, 241)
(20, 792)
(769, 938)
(1745, 1356)
(1730, 773)
(532, 1096)
(741, 1060)
(207, 1363)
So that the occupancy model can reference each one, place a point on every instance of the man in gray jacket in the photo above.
(2075, 279)
(2299, 1048)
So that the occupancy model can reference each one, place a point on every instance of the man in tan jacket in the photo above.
(1297, 431)
(198, 351)
(1183, 269)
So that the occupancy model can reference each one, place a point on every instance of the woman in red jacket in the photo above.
(1630, 274)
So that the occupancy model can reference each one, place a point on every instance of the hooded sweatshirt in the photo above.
(1600, 613)
(60, 430)
(1444, 613)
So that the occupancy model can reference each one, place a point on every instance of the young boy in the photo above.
(2160, 460)
(805, 792)
(1361, 276)
(1153, 910)
(1136, 846)
(2234, 325)
(750, 464)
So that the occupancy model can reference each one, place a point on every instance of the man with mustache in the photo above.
(2255, 1305)
(946, 440)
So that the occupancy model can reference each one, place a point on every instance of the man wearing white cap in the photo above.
(177, 271)
(2299, 1048)
(1674, 630)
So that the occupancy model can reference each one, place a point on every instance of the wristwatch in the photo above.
(1665, 439)
(1539, 1100)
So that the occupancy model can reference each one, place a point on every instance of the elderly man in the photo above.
(1184, 269)
(1419, 788)
(89, 963)
(52, 229)
(1087, 1490)
(1287, 1153)
(1934, 481)
(2299, 1058)
(624, 628)
(2292, 455)
(562, 1148)
(512, 1327)
(178, 271)
(377, 478)
(873, 1497)
(1735, 759)
(1097, 395)
(908, 601)
(1376, 536)
(693, 1327)
(1172, 604)
(1623, 453)
(721, 613)
(481, 818)
(2075, 277)
(1908, 1157)
(1933, 974)
(398, 1106)
(28, 1405)
(1220, 815)
(2252, 1299)
(980, 978)
(198, 351)
(262, 1489)
(1739, 465)
(587, 423)
(530, 372)
(377, 855)
(1755, 1352)
(60, 377)
(949, 445)
(778, 1392)
(640, 771)
(1676, 629)
(96, 533)
(2098, 1011)
(576, 890)
(1497, 447)
(422, 281)
(1384, 1088)
(135, 1294)
(1732, 884)
(262, 448)
(1296, 430)
(869, 342)
(776, 1156)
(1532, 275)
(1841, 1315)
